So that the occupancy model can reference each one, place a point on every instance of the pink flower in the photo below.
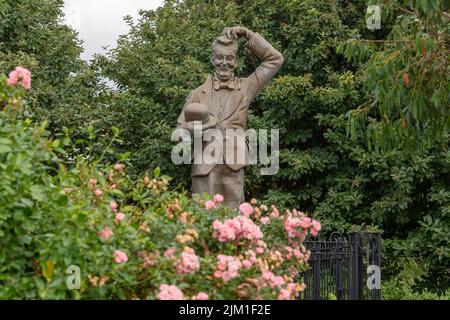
(246, 209)
(259, 250)
(305, 223)
(275, 213)
(277, 281)
(189, 262)
(120, 216)
(169, 252)
(294, 228)
(202, 296)
(183, 217)
(315, 227)
(13, 78)
(120, 256)
(218, 198)
(227, 267)
(119, 167)
(284, 294)
(265, 220)
(171, 292)
(267, 275)
(113, 205)
(68, 190)
(98, 193)
(92, 183)
(247, 264)
(105, 233)
(209, 204)
(22, 75)
(237, 229)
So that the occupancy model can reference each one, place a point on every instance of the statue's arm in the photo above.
(271, 58)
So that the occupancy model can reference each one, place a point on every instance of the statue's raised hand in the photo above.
(235, 32)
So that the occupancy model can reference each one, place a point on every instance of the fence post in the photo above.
(356, 267)
(359, 266)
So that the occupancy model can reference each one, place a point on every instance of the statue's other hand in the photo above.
(235, 32)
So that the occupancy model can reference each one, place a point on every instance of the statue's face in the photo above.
(224, 61)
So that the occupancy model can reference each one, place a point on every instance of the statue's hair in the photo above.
(225, 41)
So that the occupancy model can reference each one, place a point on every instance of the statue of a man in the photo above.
(222, 103)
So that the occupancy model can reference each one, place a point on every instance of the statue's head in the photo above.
(224, 51)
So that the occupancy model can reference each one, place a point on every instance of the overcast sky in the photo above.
(100, 22)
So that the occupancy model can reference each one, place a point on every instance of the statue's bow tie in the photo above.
(224, 85)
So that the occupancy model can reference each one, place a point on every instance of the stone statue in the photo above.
(221, 103)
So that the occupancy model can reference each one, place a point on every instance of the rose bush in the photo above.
(125, 238)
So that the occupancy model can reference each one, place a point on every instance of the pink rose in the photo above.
(315, 227)
(169, 292)
(22, 75)
(284, 294)
(119, 167)
(305, 222)
(277, 281)
(120, 256)
(120, 216)
(267, 275)
(68, 190)
(246, 209)
(265, 220)
(183, 217)
(189, 262)
(247, 264)
(113, 205)
(105, 233)
(92, 183)
(218, 198)
(98, 193)
(202, 296)
(209, 204)
(13, 78)
(169, 252)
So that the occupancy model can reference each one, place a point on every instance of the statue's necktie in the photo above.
(224, 85)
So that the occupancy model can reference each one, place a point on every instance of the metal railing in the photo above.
(338, 267)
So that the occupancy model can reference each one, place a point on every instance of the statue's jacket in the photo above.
(233, 112)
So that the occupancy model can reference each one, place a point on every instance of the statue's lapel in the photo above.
(206, 96)
(233, 102)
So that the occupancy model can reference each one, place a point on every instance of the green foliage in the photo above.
(65, 91)
(54, 217)
(327, 165)
(405, 284)
(406, 77)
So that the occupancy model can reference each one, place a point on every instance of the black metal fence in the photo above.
(340, 267)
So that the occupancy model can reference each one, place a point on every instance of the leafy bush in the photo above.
(406, 284)
(129, 240)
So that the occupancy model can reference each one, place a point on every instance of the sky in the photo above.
(100, 22)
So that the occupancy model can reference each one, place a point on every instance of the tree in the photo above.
(65, 90)
(405, 76)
